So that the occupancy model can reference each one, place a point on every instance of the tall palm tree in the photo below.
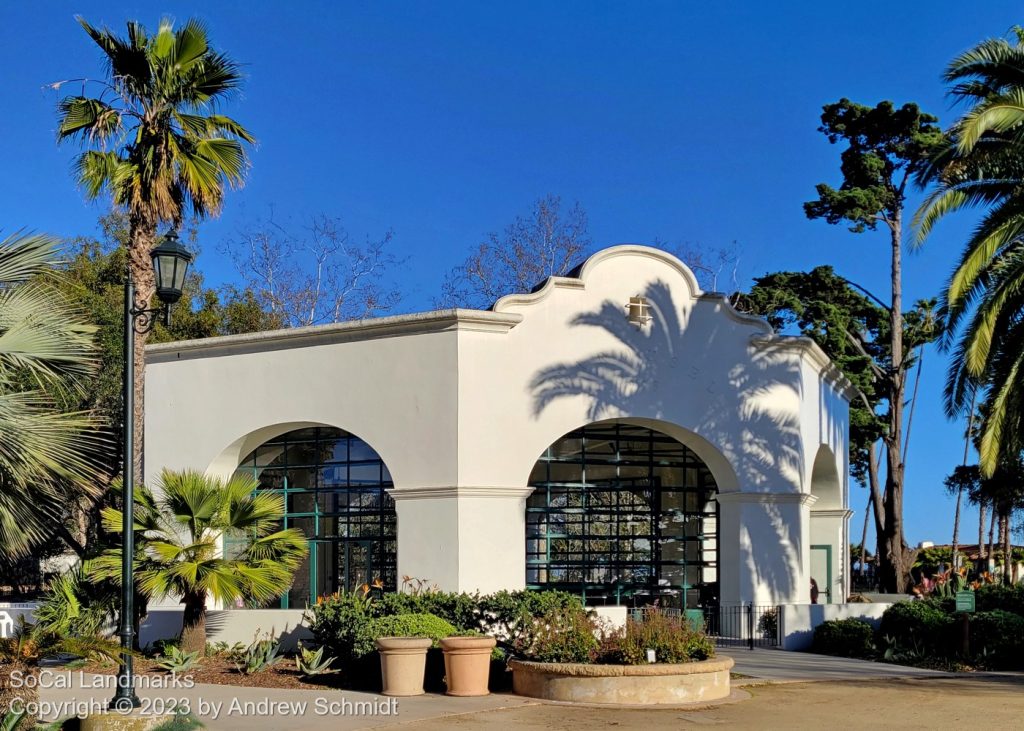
(46, 457)
(156, 143)
(200, 537)
(982, 164)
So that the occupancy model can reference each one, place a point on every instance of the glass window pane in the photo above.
(364, 474)
(625, 506)
(329, 473)
(360, 450)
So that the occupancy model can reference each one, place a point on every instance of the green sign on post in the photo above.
(965, 601)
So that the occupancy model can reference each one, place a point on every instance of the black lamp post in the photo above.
(170, 264)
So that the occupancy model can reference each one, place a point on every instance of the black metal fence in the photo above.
(737, 625)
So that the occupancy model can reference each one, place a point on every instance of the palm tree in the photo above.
(156, 143)
(982, 164)
(200, 537)
(47, 458)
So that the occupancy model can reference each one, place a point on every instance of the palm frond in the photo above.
(88, 119)
(159, 145)
(24, 256)
(184, 557)
(996, 114)
(45, 456)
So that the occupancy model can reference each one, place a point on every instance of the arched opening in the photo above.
(829, 543)
(334, 488)
(623, 514)
(825, 480)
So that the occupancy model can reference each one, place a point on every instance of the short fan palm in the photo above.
(982, 165)
(45, 348)
(199, 538)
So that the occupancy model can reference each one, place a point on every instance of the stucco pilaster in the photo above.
(763, 547)
(463, 538)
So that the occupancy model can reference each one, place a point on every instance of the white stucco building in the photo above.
(685, 453)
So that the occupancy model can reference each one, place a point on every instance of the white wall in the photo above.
(460, 404)
(11, 614)
(798, 621)
(287, 625)
(230, 626)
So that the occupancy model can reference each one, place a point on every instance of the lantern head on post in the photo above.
(170, 264)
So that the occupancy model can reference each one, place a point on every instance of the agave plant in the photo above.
(259, 656)
(175, 660)
(46, 349)
(312, 662)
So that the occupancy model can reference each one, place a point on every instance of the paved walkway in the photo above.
(233, 708)
(908, 704)
(781, 666)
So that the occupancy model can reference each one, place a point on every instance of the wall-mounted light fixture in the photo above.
(638, 311)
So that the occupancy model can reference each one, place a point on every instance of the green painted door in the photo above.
(821, 572)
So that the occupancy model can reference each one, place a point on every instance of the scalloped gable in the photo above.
(619, 256)
(763, 338)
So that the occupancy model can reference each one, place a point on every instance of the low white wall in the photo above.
(10, 615)
(240, 625)
(615, 616)
(230, 626)
(800, 620)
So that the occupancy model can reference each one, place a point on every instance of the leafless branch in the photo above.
(546, 242)
(317, 276)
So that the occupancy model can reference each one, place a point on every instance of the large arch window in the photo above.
(623, 514)
(334, 487)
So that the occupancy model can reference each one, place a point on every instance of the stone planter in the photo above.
(690, 682)
(467, 664)
(403, 661)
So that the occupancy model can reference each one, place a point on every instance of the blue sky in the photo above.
(681, 121)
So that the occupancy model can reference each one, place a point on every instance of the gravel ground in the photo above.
(984, 702)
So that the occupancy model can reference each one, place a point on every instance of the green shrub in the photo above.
(507, 615)
(402, 625)
(990, 597)
(997, 639)
(672, 639)
(844, 638)
(559, 635)
(460, 609)
(337, 622)
(919, 624)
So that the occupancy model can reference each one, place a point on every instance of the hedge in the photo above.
(919, 624)
(844, 638)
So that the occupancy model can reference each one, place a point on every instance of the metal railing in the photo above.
(734, 625)
(737, 625)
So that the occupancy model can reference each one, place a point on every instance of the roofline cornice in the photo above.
(813, 354)
(420, 323)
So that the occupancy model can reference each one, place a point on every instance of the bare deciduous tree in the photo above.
(316, 277)
(717, 268)
(546, 242)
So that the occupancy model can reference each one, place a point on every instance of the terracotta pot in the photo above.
(467, 664)
(402, 664)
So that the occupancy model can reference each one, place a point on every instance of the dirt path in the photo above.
(954, 703)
